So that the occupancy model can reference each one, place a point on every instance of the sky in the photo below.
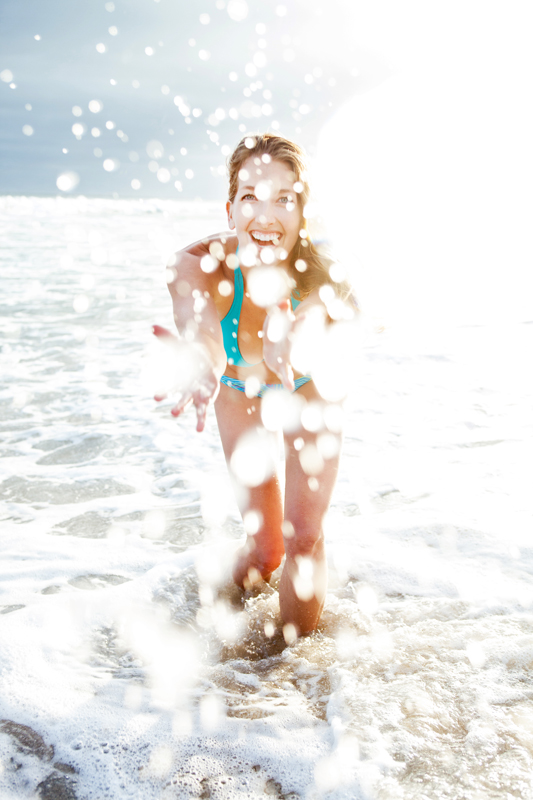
(171, 83)
(416, 114)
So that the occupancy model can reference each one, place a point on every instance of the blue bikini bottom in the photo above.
(233, 383)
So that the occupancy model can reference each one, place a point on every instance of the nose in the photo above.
(266, 214)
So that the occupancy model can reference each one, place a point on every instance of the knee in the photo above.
(303, 541)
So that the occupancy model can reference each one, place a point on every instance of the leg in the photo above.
(263, 551)
(311, 472)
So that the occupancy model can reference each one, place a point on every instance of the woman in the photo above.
(241, 347)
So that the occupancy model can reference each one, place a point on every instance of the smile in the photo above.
(264, 238)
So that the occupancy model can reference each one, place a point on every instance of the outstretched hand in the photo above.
(277, 331)
(197, 383)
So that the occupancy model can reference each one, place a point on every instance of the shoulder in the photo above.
(201, 267)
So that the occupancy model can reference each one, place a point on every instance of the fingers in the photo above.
(287, 376)
(201, 414)
(161, 332)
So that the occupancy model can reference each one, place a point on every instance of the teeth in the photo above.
(266, 237)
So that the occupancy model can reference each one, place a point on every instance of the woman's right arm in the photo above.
(199, 347)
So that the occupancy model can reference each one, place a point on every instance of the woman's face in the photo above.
(266, 211)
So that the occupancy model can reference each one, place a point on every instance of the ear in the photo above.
(229, 212)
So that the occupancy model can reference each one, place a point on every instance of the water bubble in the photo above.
(189, 174)
(153, 166)
(476, 654)
(237, 10)
(253, 460)
(197, 112)
(367, 600)
(233, 76)
(208, 263)
(37, 37)
(244, 174)
(101, 48)
(28, 106)
(77, 111)
(67, 181)
(81, 303)
(204, 55)
(252, 522)
(281, 410)
(217, 251)
(6, 75)
(259, 59)
(136, 84)
(215, 506)
(260, 28)
(311, 461)
(64, 150)
(78, 129)
(109, 7)
(232, 261)
(113, 30)
(27, 130)
(225, 288)
(163, 175)
(155, 149)
(269, 629)
(251, 70)
(268, 285)
(263, 190)
(149, 51)
(111, 164)
(110, 125)
(205, 19)
(95, 106)
(247, 211)
(212, 712)
(289, 633)
(161, 760)
(95, 132)
(178, 186)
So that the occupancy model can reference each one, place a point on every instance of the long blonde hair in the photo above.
(317, 261)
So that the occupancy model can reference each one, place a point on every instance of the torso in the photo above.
(251, 320)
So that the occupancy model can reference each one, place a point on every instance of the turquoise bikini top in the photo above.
(230, 323)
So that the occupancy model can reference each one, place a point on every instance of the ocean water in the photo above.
(129, 665)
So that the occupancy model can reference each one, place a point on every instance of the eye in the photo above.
(285, 199)
(247, 197)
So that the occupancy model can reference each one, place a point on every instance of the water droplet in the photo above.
(155, 149)
(237, 10)
(111, 164)
(6, 75)
(205, 19)
(80, 303)
(149, 51)
(113, 30)
(163, 175)
(101, 48)
(27, 130)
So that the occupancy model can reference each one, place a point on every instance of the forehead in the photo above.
(278, 173)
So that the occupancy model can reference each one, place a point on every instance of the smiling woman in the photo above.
(246, 302)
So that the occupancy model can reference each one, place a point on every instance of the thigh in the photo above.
(239, 421)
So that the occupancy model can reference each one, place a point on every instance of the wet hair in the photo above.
(317, 260)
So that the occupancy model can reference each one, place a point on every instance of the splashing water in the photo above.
(129, 663)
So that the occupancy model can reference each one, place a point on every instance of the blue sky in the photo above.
(280, 65)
